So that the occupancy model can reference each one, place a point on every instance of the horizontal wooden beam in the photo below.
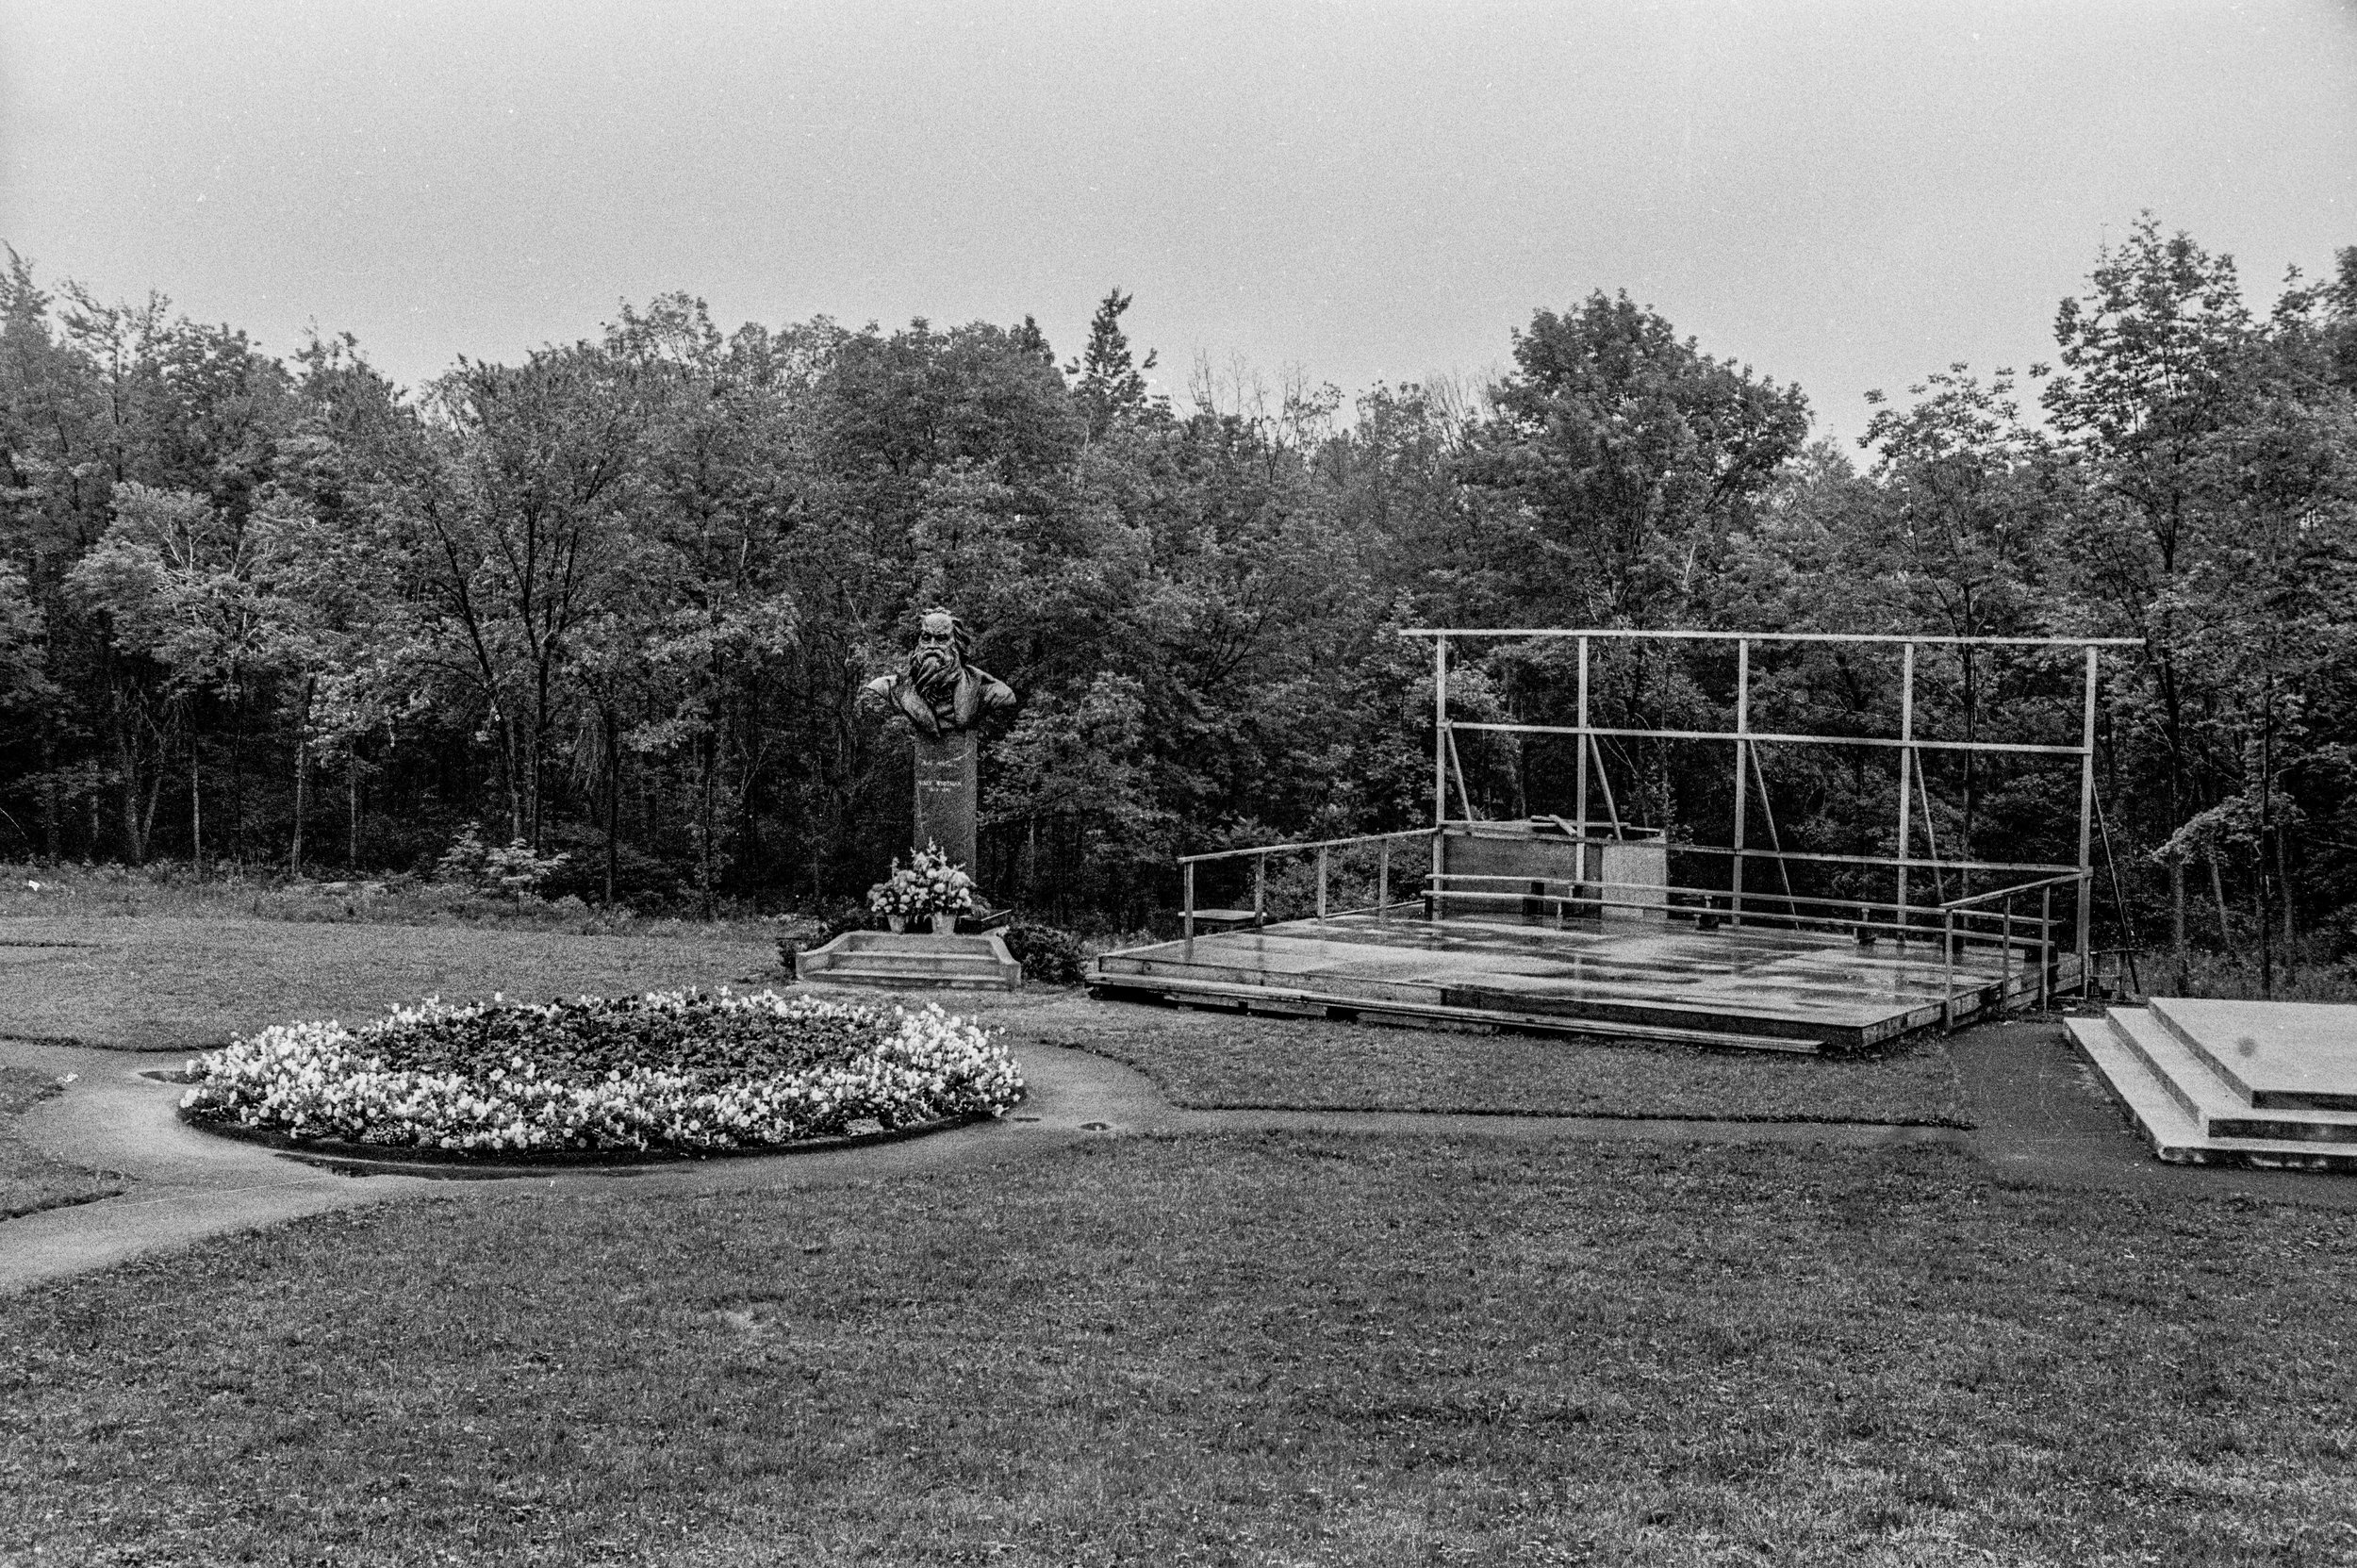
(1626, 633)
(1887, 741)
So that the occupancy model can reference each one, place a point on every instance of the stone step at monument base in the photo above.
(2256, 1083)
(910, 961)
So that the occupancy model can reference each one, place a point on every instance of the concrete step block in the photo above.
(2176, 1133)
(2278, 1055)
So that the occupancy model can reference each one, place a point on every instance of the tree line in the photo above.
(618, 600)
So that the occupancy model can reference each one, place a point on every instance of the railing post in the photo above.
(2086, 842)
(1742, 787)
(1947, 968)
(1383, 879)
(2004, 960)
(1907, 772)
(1579, 805)
(2045, 946)
(1260, 891)
(1321, 884)
(1439, 764)
(1187, 918)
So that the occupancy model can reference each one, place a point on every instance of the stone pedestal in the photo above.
(944, 795)
(897, 961)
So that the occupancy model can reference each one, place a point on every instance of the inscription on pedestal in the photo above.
(945, 794)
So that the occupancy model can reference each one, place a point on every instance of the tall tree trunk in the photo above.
(613, 804)
(539, 741)
(127, 783)
(2266, 800)
(303, 774)
(2217, 890)
(2283, 882)
(704, 815)
(237, 778)
(1972, 765)
(52, 801)
(509, 771)
(351, 802)
(155, 794)
(196, 804)
(2177, 918)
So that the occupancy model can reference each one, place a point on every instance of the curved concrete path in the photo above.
(2044, 1121)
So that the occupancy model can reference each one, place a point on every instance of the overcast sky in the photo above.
(1843, 192)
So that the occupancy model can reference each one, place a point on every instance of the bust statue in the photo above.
(940, 692)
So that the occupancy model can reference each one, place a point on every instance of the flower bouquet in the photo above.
(931, 884)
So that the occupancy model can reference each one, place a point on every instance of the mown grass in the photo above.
(29, 1180)
(179, 891)
(1244, 1349)
(1219, 1060)
(159, 983)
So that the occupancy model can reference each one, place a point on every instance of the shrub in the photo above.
(1049, 954)
(515, 870)
(677, 1070)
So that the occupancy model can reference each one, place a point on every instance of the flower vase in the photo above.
(944, 923)
(898, 922)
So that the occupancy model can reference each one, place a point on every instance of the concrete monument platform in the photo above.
(1755, 987)
(912, 961)
(2244, 1082)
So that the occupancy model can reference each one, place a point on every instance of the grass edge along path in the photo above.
(1207, 1060)
(1243, 1347)
(30, 1180)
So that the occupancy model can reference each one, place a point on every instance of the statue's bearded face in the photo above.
(935, 666)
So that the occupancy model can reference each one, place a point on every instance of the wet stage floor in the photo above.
(1803, 987)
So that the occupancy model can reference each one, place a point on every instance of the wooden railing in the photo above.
(1258, 854)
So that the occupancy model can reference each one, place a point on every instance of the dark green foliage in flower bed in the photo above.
(1050, 955)
(584, 1039)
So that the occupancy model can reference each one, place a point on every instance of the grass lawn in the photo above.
(30, 1180)
(159, 983)
(1252, 1349)
(1211, 1060)
(175, 890)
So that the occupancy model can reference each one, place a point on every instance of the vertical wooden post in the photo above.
(1947, 968)
(1187, 920)
(1742, 785)
(1439, 733)
(2004, 958)
(1260, 891)
(1579, 806)
(1322, 851)
(1906, 769)
(2086, 843)
(1440, 765)
(2045, 946)
(1383, 879)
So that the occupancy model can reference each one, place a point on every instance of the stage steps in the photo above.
(1282, 1001)
(2257, 1084)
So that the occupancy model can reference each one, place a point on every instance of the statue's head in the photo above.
(939, 657)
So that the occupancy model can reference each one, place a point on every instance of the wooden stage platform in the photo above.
(1753, 986)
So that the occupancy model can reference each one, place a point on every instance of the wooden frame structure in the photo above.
(1746, 768)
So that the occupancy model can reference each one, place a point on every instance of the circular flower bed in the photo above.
(679, 1071)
